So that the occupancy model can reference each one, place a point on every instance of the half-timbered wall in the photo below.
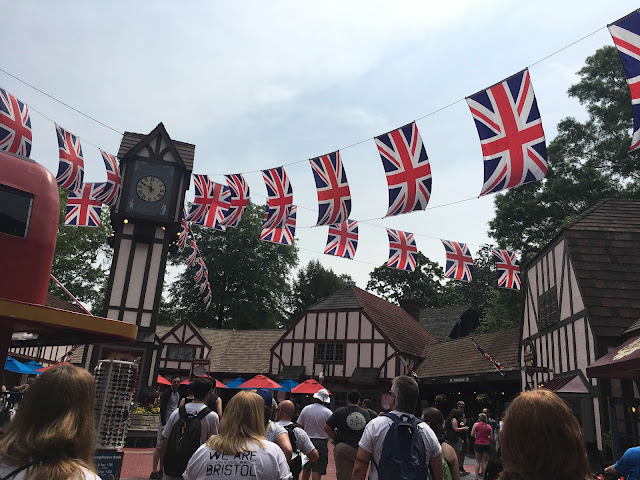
(42, 354)
(364, 345)
(567, 344)
(180, 346)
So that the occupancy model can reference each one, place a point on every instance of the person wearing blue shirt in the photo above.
(628, 466)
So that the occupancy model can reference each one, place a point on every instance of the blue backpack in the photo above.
(404, 454)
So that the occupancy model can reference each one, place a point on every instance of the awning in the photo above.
(294, 372)
(364, 376)
(621, 362)
(567, 384)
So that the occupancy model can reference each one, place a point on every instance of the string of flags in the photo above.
(201, 275)
(511, 136)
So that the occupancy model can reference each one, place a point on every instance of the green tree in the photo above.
(248, 278)
(426, 283)
(587, 162)
(313, 282)
(477, 293)
(82, 259)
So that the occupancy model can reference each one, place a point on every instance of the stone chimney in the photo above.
(410, 304)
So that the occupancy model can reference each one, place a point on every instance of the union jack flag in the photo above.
(459, 265)
(201, 269)
(407, 167)
(334, 196)
(218, 208)
(510, 130)
(112, 188)
(204, 192)
(83, 207)
(508, 269)
(239, 199)
(498, 366)
(184, 231)
(203, 286)
(208, 304)
(207, 299)
(191, 259)
(71, 166)
(403, 253)
(343, 239)
(626, 36)
(67, 356)
(15, 125)
(279, 197)
(284, 235)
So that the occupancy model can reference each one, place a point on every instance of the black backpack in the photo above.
(296, 463)
(183, 442)
(404, 455)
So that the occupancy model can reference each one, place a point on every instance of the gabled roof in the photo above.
(604, 247)
(56, 302)
(461, 357)
(440, 321)
(397, 325)
(185, 150)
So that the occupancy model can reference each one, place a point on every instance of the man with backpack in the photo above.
(399, 445)
(300, 441)
(188, 428)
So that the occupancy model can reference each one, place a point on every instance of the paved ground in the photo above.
(137, 463)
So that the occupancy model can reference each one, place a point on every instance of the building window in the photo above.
(339, 399)
(180, 352)
(15, 211)
(329, 352)
(547, 308)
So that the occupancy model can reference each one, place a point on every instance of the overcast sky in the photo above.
(255, 85)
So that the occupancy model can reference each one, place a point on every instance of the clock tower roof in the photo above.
(130, 140)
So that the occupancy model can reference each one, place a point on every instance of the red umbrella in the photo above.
(185, 382)
(162, 381)
(308, 386)
(260, 381)
(44, 369)
(220, 384)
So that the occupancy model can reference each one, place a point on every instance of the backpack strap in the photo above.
(203, 413)
(395, 418)
(182, 411)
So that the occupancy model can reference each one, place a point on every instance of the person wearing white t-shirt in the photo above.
(313, 418)
(303, 444)
(404, 396)
(240, 451)
(273, 432)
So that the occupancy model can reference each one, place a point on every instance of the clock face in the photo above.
(150, 188)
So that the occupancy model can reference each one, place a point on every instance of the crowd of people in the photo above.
(53, 436)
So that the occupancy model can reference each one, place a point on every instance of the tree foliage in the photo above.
(82, 260)
(313, 282)
(588, 162)
(248, 278)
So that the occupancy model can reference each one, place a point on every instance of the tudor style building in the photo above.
(581, 292)
(354, 339)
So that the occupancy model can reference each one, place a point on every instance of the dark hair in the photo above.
(406, 391)
(367, 403)
(174, 377)
(434, 418)
(353, 396)
(454, 413)
(201, 387)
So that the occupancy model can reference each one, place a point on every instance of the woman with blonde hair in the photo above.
(481, 431)
(240, 450)
(53, 434)
(542, 439)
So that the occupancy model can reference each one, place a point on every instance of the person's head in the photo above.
(434, 418)
(460, 406)
(354, 397)
(175, 382)
(202, 388)
(367, 404)
(286, 409)
(486, 412)
(404, 394)
(454, 413)
(322, 396)
(267, 398)
(55, 420)
(242, 422)
(482, 417)
(542, 435)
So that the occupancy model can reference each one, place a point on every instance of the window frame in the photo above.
(24, 194)
(548, 316)
(180, 345)
(330, 357)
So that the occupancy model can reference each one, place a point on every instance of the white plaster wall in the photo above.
(121, 270)
(137, 275)
(578, 304)
(341, 325)
(351, 358)
(367, 329)
(321, 319)
(561, 359)
(352, 324)
(365, 355)
(154, 272)
(581, 354)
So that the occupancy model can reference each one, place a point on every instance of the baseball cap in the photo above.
(322, 395)
(266, 396)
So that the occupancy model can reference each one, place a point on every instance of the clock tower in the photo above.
(155, 177)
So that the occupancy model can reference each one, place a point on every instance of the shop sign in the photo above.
(458, 379)
(529, 352)
(108, 464)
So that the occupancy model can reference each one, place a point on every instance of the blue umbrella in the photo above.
(34, 365)
(234, 383)
(287, 385)
(13, 365)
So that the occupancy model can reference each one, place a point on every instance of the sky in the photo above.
(255, 85)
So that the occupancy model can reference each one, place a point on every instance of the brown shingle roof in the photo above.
(440, 321)
(461, 357)
(60, 304)
(604, 247)
(185, 150)
(396, 324)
